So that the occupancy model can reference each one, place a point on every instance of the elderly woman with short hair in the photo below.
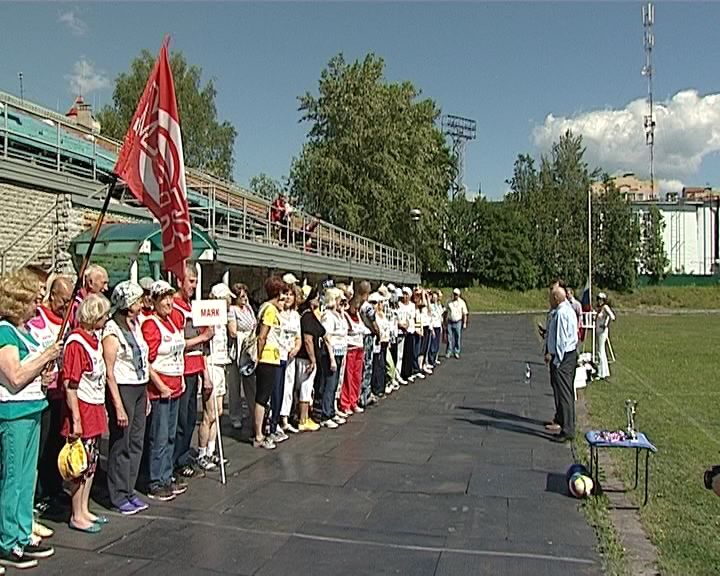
(23, 377)
(83, 377)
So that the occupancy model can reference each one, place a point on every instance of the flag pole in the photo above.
(88, 253)
(590, 269)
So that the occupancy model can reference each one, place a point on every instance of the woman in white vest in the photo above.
(605, 315)
(22, 400)
(126, 359)
(218, 367)
(83, 377)
(166, 344)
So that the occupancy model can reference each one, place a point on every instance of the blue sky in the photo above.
(506, 65)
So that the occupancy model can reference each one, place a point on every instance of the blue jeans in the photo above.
(331, 380)
(162, 427)
(186, 421)
(454, 337)
(378, 371)
(435, 336)
(367, 369)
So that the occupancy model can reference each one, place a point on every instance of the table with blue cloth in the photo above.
(595, 441)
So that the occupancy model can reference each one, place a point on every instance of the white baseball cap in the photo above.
(221, 291)
(407, 290)
(456, 291)
(290, 278)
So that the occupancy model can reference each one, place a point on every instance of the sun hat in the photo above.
(125, 295)
(160, 288)
(72, 460)
(221, 291)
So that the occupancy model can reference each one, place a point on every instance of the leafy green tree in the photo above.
(462, 232)
(616, 240)
(207, 142)
(654, 261)
(265, 186)
(373, 153)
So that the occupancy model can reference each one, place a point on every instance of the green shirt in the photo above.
(14, 410)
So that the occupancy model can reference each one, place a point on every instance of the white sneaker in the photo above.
(420, 375)
(329, 424)
(428, 370)
(338, 419)
(388, 389)
(400, 381)
(289, 428)
(279, 436)
(395, 386)
(358, 410)
(343, 414)
(411, 378)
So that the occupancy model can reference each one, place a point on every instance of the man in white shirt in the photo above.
(457, 314)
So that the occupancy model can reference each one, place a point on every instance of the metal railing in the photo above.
(48, 246)
(221, 208)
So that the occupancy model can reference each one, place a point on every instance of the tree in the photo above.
(461, 232)
(373, 153)
(265, 186)
(653, 260)
(207, 142)
(616, 240)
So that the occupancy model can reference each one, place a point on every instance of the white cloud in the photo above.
(666, 186)
(76, 25)
(85, 78)
(687, 130)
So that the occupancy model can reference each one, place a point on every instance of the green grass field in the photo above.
(484, 299)
(669, 364)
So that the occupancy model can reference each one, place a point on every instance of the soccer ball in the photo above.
(576, 469)
(580, 486)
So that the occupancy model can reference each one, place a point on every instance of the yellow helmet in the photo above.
(72, 460)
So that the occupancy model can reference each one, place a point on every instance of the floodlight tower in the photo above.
(648, 17)
(461, 130)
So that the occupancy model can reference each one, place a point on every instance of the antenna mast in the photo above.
(648, 17)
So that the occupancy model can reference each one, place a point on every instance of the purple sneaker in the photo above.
(138, 503)
(128, 509)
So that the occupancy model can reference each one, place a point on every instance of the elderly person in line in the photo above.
(307, 360)
(23, 378)
(605, 315)
(241, 325)
(126, 358)
(83, 378)
(95, 281)
(292, 341)
(332, 356)
(166, 343)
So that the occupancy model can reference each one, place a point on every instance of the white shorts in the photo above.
(218, 376)
(304, 380)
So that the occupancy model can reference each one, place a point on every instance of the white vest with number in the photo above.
(34, 390)
(169, 360)
(92, 384)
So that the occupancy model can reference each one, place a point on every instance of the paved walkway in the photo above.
(450, 476)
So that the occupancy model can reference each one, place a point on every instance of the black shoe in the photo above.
(16, 559)
(186, 471)
(161, 493)
(38, 551)
(179, 486)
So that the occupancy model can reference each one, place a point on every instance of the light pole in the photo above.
(415, 217)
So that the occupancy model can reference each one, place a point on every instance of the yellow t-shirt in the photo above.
(270, 317)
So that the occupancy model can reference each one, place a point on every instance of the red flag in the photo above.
(151, 163)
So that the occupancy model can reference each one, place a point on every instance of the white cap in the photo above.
(221, 291)
(160, 288)
(125, 295)
(602, 296)
(407, 290)
(290, 278)
(375, 297)
(146, 282)
(391, 287)
(456, 291)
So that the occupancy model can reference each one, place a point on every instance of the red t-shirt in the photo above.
(76, 360)
(194, 363)
(152, 336)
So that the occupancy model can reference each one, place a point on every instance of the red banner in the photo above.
(152, 165)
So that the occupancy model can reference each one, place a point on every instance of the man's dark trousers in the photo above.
(565, 378)
(187, 419)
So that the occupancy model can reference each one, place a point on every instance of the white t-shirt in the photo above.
(456, 310)
(336, 329)
(131, 360)
(290, 331)
(406, 315)
(436, 311)
(219, 352)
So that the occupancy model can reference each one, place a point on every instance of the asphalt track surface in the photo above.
(450, 476)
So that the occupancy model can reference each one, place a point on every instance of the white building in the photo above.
(691, 236)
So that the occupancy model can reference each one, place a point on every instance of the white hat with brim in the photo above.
(125, 295)
(456, 291)
(376, 297)
(407, 290)
(161, 288)
(221, 291)
(290, 278)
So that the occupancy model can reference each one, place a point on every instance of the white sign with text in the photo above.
(209, 313)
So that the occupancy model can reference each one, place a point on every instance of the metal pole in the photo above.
(218, 434)
(590, 269)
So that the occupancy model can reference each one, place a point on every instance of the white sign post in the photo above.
(212, 313)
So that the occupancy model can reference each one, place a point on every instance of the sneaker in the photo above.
(266, 443)
(308, 426)
(401, 381)
(437, 362)
(457, 356)
(138, 503)
(186, 471)
(179, 486)
(388, 389)
(411, 378)
(161, 493)
(38, 551)
(290, 429)
(127, 508)
(328, 424)
(420, 375)
(279, 436)
(428, 369)
(395, 386)
(16, 559)
(215, 459)
(343, 413)
(373, 400)
(206, 464)
(358, 410)
(41, 530)
(339, 420)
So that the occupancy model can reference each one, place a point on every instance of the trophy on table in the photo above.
(630, 410)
